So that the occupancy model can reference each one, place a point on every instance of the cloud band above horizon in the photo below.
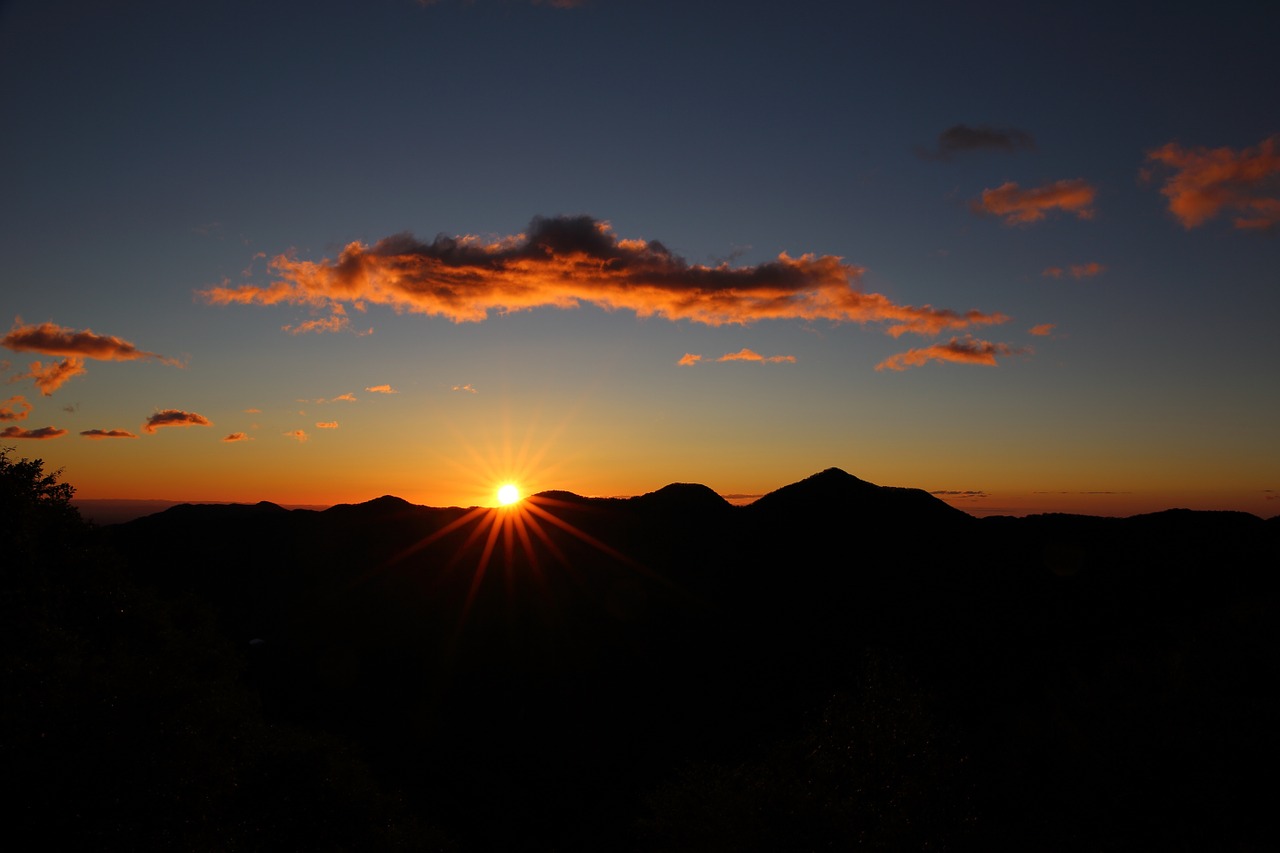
(564, 262)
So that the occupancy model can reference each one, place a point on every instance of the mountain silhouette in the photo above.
(576, 673)
(834, 490)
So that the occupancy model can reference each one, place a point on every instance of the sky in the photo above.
(313, 253)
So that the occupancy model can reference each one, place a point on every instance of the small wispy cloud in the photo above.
(107, 433)
(174, 418)
(961, 138)
(342, 398)
(967, 350)
(53, 376)
(469, 388)
(253, 411)
(1042, 330)
(1017, 206)
(745, 354)
(38, 434)
(16, 408)
(381, 389)
(959, 493)
(296, 435)
(1088, 270)
(326, 424)
(238, 436)
(689, 359)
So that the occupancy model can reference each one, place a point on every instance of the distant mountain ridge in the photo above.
(560, 661)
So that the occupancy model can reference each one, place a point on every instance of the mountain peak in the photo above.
(836, 491)
(682, 497)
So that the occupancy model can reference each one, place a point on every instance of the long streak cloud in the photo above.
(565, 262)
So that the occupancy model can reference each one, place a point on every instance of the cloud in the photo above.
(745, 354)
(51, 378)
(689, 359)
(174, 418)
(1021, 207)
(42, 432)
(56, 340)
(564, 262)
(326, 424)
(107, 433)
(1208, 181)
(1042, 329)
(381, 389)
(16, 408)
(966, 351)
(253, 411)
(296, 435)
(1077, 271)
(74, 346)
(959, 493)
(960, 138)
(238, 436)
(342, 398)
(332, 323)
(469, 388)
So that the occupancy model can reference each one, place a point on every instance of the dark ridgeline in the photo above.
(838, 665)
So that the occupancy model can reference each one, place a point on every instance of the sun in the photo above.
(508, 494)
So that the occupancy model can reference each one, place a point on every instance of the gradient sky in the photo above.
(1025, 259)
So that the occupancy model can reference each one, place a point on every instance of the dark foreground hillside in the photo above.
(837, 666)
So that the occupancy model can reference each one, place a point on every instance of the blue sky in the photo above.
(154, 151)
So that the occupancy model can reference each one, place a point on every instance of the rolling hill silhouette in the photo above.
(838, 664)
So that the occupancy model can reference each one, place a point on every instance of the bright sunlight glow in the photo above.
(508, 494)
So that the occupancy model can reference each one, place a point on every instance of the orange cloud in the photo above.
(107, 433)
(1088, 270)
(469, 388)
(253, 411)
(745, 354)
(42, 432)
(1207, 181)
(296, 435)
(564, 262)
(326, 424)
(966, 351)
(56, 340)
(1021, 207)
(237, 436)
(689, 360)
(1042, 329)
(342, 398)
(74, 346)
(381, 389)
(174, 418)
(16, 408)
(51, 378)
